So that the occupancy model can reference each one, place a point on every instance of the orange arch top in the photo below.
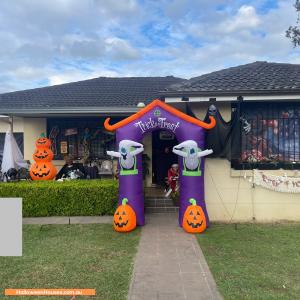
(165, 106)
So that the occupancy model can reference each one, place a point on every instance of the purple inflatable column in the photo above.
(131, 186)
(192, 186)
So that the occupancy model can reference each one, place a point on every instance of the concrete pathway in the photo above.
(68, 220)
(170, 264)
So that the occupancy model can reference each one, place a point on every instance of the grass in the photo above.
(252, 261)
(72, 256)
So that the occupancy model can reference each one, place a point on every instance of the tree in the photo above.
(293, 32)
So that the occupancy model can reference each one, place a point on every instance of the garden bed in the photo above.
(68, 198)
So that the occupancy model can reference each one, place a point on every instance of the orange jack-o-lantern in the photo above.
(124, 217)
(42, 154)
(42, 171)
(43, 142)
(194, 220)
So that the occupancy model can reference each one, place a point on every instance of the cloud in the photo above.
(76, 75)
(120, 49)
(246, 18)
(55, 42)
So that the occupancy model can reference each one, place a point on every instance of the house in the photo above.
(258, 101)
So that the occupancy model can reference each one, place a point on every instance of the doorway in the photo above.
(162, 155)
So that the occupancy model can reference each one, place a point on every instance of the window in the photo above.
(270, 135)
(78, 135)
(19, 136)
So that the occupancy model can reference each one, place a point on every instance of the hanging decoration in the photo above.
(43, 168)
(53, 138)
(277, 183)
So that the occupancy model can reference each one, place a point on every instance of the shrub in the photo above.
(69, 198)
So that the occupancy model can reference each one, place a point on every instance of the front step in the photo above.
(158, 202)
(159, 205)
(158, 210)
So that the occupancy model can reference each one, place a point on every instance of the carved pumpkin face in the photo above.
(42, 171)
(194, 220)
(42, 154)
(124, 217)
(43, 142)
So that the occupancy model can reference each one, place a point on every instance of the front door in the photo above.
(162, 155)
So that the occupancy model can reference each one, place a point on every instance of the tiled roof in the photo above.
(98, 92)
(260, 76)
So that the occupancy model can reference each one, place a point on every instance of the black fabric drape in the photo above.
(224, 138)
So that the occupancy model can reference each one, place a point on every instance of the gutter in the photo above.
(105, 111)
(229, 93)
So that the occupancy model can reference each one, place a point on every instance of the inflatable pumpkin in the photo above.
(43, 154)
(42, 171)
(43, 142)
(194, 220)
(124, 217)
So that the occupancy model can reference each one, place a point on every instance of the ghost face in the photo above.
(189, 150)
(127, 151)
(126, 160)
(192, 160)
(212, 110)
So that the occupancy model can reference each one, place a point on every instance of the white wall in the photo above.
(18, 125)
(33, 127)
(229, 197)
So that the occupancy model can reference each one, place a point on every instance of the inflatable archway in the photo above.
(190, 133)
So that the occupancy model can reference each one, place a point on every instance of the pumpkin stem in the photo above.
(43, 135)
(124, 201)
(193, 201)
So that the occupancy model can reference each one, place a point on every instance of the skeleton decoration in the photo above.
(191, 157)
(246, 125)
(212, 110)
(128, 150)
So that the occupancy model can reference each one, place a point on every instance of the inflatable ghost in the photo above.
(128, 150)
(191, 156)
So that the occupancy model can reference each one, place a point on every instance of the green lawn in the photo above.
(254, 261)
(72, 256)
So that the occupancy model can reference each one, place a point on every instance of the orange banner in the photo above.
(50, 292)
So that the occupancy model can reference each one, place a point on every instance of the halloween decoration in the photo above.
(53, 138)
(87, 140)
(43, 154)
(212, 110)
(124, 217)
(129, 135)
(11, 174)
(127, 156)
(194, 220)
(42, 169)
(43, 142)
(278, 183)
(191, 157)
(12, 157)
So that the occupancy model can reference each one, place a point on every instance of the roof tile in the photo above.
(98, 92)
(260, 75)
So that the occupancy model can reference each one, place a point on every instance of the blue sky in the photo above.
(52, 42)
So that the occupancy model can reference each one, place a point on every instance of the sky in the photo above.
(46, 42)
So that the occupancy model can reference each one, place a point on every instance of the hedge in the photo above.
(69, 198)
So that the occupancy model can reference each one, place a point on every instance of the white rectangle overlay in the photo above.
(10, 226)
